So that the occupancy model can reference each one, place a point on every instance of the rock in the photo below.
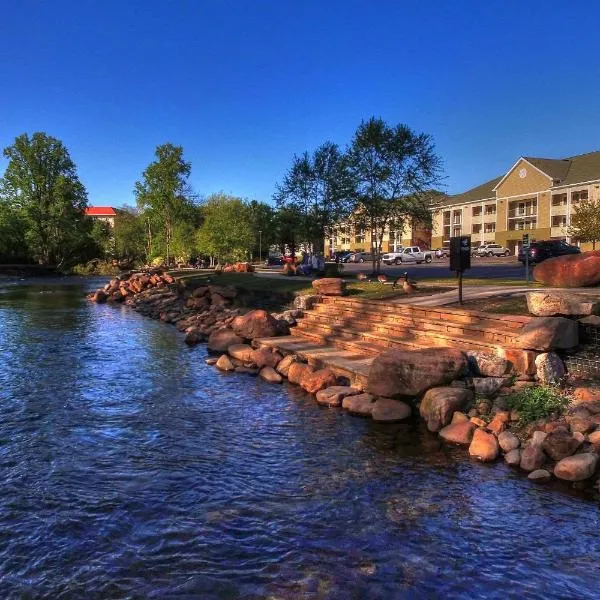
(579, 437)
(329, 286)
(559, 444)
(270, 374)
(458, 433)
(459, 417)
(333, 396)
(477, 422)
(298, 372)
(540, 476)
(221, 339)
(243, 352)
(99, 296)
(488, 365)
(408, 373)
(548, 333)
(583, 395)
(498, 424)
(255, 324)
(594, 438)
(553, 304)
(211, 360)
(577, 467)
(550, 368)
(388, 410)
(225, 291)
(580, 424)
(537, 438)
(571, 270)
(283, 367)
(508, 441)
(439, 404)
(483, 408)
(488, 386)
(361, 404)
(305, 302)
(193, 335)
(592, 320)
(521, 361)
(532, 458)
(318, 380)
(262, 357)
(484, 446)
(224, 364)
(513, 457)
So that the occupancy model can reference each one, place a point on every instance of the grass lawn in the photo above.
(504, 305)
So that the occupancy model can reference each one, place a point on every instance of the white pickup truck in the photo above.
(408, 255)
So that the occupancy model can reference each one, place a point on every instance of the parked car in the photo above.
(342, 256)
(360, 257)
(414, 254)
(492, 250)
(539, 251)
(390, 258)
(442, 252)
(273, 260)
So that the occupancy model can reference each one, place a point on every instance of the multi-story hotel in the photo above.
(536, 196)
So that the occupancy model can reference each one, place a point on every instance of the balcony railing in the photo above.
(528, 211)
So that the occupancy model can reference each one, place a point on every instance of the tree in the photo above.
(392, 169)
(318, 186)
(262, 222)
(585, 222)
(41, 183)
(164, 194)
(226, 233)
(286, 229)
(129, 235)
(13, 247)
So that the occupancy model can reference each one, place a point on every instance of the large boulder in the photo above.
(548, 333)
(484, 446)
(458, 433)
(255, 324)
(270, 374)
(263, 357)
(532, 458)
(555, 304)
(242, 352)
(508, 441)
(221, 339)
(487, 365)
(286, 362)
(521, 361)
(299, 372)
(330, 286)
(559, 444)
(550, 368)
(361, 404)
(439, 404)
(572, 270)
(388, 410)
(318, 380)
(408, 373)
(577, 467)
(333, 395)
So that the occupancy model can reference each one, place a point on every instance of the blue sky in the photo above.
(243, 85)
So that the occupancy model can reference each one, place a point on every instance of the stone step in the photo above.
(454, 315)
(406, 327)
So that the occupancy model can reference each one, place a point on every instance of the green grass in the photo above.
(479, 282)
(503, 305)
(537, 402)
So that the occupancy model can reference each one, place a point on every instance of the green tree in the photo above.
(286, 229)
(41, 183)
(226, 232)
(392, 170)
(164, 195)
(585, 222)
(319, 188)
(262, 222)
(13, 247)
(129, 235)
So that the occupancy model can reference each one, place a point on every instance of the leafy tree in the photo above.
(392, 169)
(226, 233)
(319, 188)
(129, 235)
(286, 229)
(41, 183)
(164, 195)
(585, 222)
(13, 248)
(262, 219)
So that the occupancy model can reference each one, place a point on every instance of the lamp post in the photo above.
(260, 246)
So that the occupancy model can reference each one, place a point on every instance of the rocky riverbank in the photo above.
(465, 398)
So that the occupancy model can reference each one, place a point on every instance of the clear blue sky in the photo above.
(243, 85)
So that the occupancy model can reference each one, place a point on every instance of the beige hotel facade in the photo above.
(536, 196)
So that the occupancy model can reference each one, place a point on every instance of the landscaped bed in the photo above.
(504, 305)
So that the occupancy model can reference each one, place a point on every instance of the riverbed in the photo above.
(130, 469)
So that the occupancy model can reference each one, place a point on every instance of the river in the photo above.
(130, 469)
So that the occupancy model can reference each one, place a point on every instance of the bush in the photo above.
(96, 267)
(537, 402)
(333, 269)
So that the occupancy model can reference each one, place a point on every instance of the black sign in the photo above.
(460, 253)
(525, 240)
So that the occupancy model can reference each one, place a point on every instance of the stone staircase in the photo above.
(345, 334)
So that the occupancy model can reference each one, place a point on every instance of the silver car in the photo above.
(492, 250)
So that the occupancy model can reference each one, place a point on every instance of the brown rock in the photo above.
(594, 438)
(498, 424)
(553, 304)
(559, 444)
(478, 422)
(270, 374)
(540, 476)
(283, 367)
(488, 365)
(408, 373)
(297, 372)
(484, 446)
(571, 270)
(522, 361)
(577, 467)
(211, 360)
(439, 404)
(458, 433)
(513, 457)
(361, 404)
(255, 324)
(508, 441)
(388, 410)
(583, 395)
(193, 335)
(224, 364)
(318, 380)
(580, 424)
(262, 357)
(99, 296)
(532, 458)
(330, 286)
(333, 396)
(243, 352)
(221, 339)
(548, 333)
(459, 417)
(488, 386)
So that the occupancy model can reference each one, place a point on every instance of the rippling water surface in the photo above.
(130, 469)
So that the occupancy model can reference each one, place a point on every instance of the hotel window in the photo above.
(489, 228)
(490, 209)
(476, 228)
(457, 217)
(477, 211)
(447, 217)
(456, 231)
(578, 196)
(559, 200)
(559, 221)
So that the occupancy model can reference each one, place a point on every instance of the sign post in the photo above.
(460, 259)
(526, 251)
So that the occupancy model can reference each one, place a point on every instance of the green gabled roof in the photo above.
(584, 167)
(481, 192)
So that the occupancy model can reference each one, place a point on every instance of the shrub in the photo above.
(537, 402)
(333, 269)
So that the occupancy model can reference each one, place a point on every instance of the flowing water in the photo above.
(130, 469)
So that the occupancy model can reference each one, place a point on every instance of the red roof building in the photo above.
(102, 213)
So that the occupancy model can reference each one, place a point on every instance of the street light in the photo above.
(260, 246)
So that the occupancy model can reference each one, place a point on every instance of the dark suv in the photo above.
(539, 251)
